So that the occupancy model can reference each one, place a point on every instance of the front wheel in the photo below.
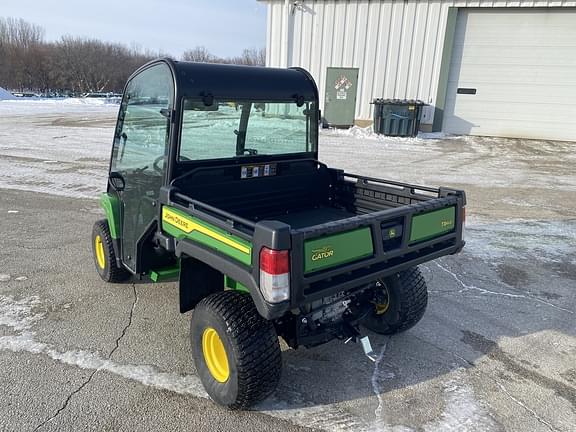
(236, 351)
(104, 256)
(399, 301)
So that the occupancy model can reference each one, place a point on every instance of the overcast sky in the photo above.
(224, 27)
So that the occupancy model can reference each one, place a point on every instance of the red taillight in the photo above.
(463, 215)
(274, 275)
(274, 262)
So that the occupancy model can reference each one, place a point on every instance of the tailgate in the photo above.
(333, 250)
(347, 253)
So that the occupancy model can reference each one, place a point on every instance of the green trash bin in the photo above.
(395, 117)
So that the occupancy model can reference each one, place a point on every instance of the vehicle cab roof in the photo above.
(236, 82)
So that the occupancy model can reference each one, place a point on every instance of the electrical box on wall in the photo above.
(340, 96)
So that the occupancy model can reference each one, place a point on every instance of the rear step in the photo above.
(165, 274)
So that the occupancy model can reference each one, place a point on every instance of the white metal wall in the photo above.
(397, 45)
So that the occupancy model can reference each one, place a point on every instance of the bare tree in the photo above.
(81, 65)
(252, 57)
(16, 31)
(18, 40)
(249, 56)
(198, 54)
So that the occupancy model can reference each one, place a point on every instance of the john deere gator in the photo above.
(215, 179)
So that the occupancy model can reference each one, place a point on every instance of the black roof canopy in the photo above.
(235, 82)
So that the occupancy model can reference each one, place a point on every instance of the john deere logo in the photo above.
(176, 220)
(322, 253)
(447, 223)
(392, 232)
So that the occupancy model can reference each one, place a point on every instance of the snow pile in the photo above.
(368, 133)
(19, 314)
(84, 101)
(6, 95)
(63, 101)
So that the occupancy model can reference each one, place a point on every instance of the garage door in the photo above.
(513, 74)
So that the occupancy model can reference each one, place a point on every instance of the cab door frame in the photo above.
(137, 188)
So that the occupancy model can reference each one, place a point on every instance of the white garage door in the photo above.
(513, 74)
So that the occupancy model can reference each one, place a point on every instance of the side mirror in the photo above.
(116, 181)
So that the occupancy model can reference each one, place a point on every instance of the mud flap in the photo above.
(197, 280)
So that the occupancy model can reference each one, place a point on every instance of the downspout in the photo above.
(289, 11)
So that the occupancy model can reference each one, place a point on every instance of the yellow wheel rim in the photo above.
(99, 249)
(215, 355)
(381, 308)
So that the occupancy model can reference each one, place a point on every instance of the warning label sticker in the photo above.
(343, 83)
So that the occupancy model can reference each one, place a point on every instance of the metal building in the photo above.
(501, 68)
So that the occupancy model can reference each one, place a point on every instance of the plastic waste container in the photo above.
(396, 117)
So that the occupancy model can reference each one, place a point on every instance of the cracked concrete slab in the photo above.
(68, 400)
(495, 351)
(128, 405)
(33, 388)
(81, 320)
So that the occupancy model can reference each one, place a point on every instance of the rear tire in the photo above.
(104, 255)
(236, 351)
(407, 297)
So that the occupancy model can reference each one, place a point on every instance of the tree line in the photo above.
(76, 65)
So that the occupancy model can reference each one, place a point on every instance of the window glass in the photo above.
(229, 129)
(144, 124)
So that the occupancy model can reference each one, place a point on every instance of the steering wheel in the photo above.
(157, 167)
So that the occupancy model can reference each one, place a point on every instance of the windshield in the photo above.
(227, 129)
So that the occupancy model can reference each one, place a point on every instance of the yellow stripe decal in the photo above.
(187, 225)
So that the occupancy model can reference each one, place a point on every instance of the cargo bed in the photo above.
(342, 230)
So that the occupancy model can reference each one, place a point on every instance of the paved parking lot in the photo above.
(496, 350)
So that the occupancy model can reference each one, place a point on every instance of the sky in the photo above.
(224, 27)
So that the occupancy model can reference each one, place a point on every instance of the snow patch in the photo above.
(19, 314)
(521, 240)
(6, 95)
(147, 375)
(368, 133)
(96, 102)
(322, 417)
(31, 106)
(482, 291)
(5, 277)
(22, 343)
(463, 413)
(13, 211)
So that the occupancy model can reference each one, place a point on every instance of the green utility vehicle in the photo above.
(215, 179)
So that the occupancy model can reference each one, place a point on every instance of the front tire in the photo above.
(401, 301)
(236, 351)
(104, 255)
